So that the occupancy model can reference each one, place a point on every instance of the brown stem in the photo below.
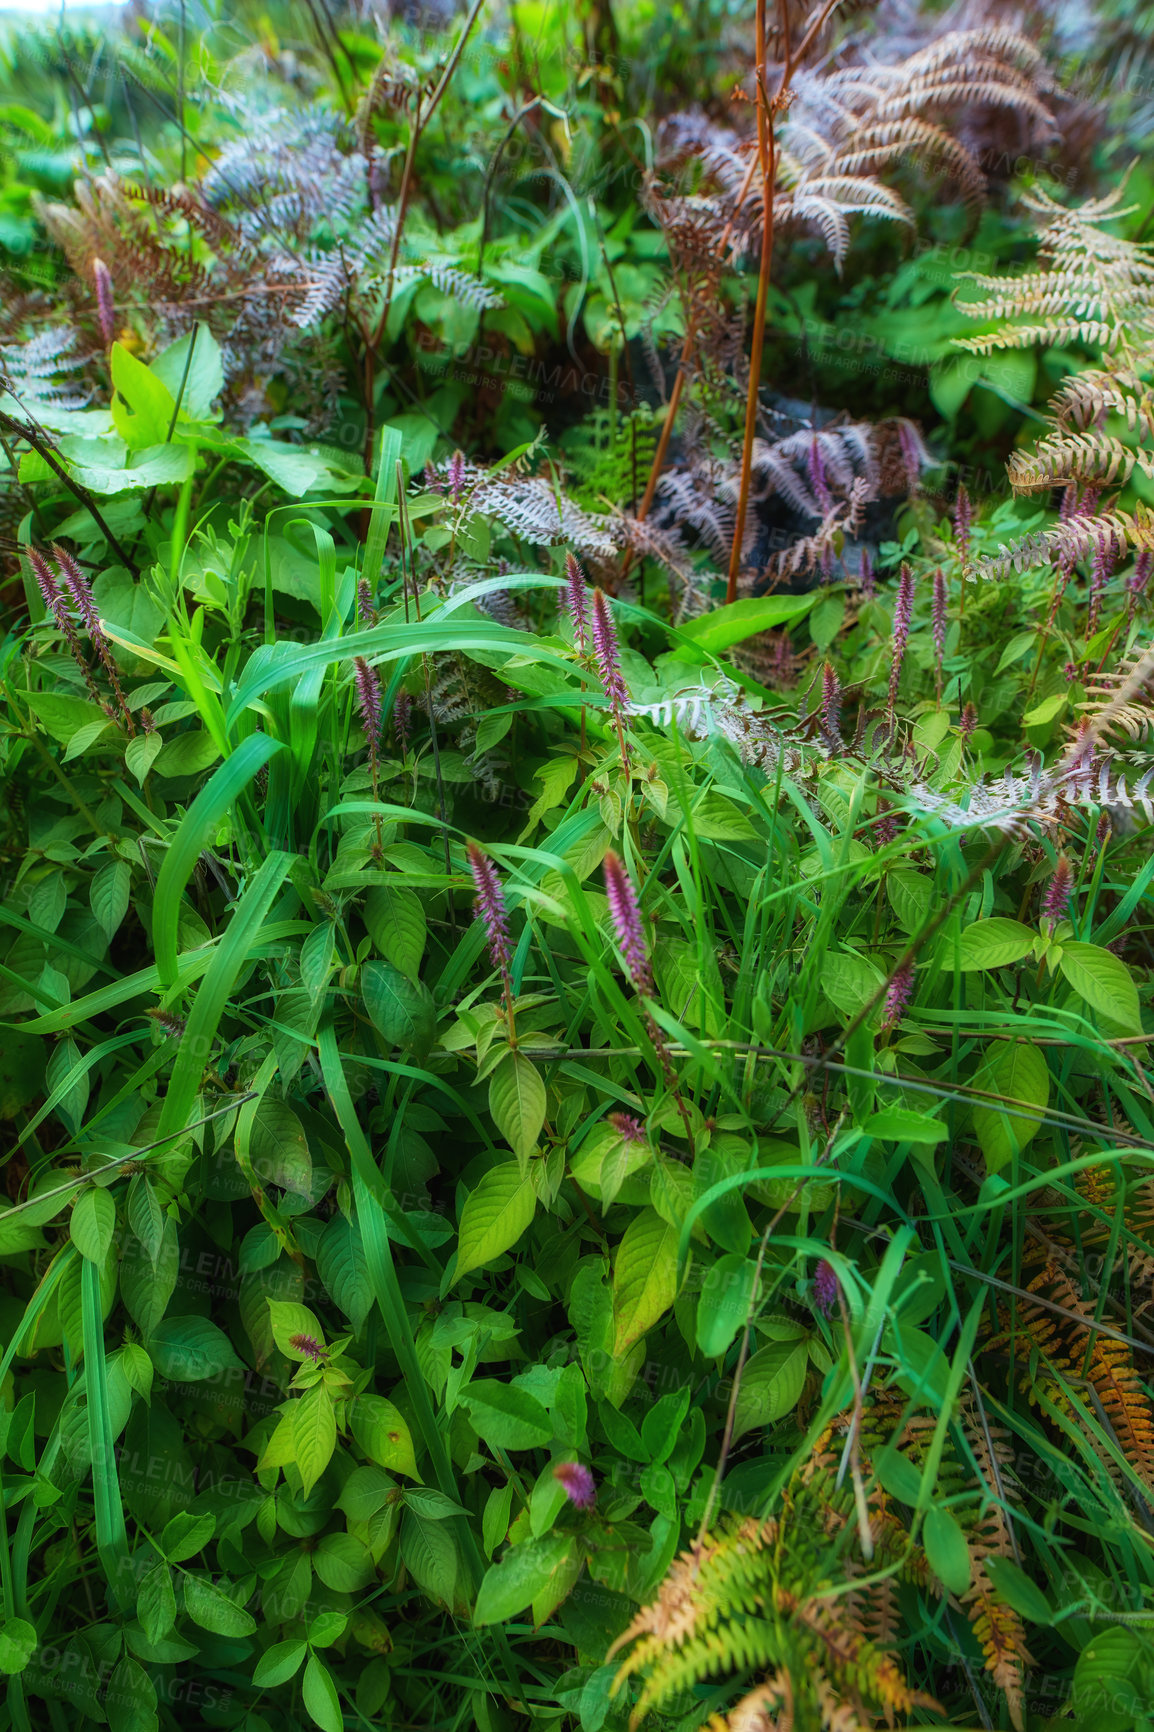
(767, 160)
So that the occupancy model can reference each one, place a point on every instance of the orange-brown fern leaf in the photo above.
(1117, 1386)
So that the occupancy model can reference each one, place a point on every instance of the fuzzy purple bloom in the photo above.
(49, 589)
(368, 700)
(1140, 576)
(309, 1346)
(456, 476)
(939, 615)
(825, 1288)
(104, 308)
(1101, 570)
(968, 722)
(627, 924)
(783, 661)
(575, 600)
(433, 480)
(628, 1128)
(580, 1486)
(911, 450)
(403, 720)
(365, 601)
(1057, 898)
(490, 907)
(963, 522)
(898, 994)
(607, 653)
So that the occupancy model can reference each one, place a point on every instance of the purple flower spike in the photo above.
(80, 591)
(608, 656)
(368, 700)
(490, 907)
(456, 476)
(963, 520)
(1140, 576)
(831, 708)
(903, 614)
(104, 308)
(627, 924)
(940, 614)
(816, 471)
(309, 1346)
(866, 576)
(575, 598)
(1057, 898)
(1105, 555)
(403, 720)
(580, 1486)
(898, 994)
(825, 1288)
(49, 589)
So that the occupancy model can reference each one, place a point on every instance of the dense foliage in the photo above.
(575, 951)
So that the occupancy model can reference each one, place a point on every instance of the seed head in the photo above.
(104, 307)
(627, 925)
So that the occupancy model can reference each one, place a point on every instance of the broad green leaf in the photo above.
(1104, 981)
(644, 1278)
(18, 1641)
(947, 1553)
(193, 383)
(1014, 1071)
(991, 944)
(186, 1534)
(496, 1213)
(278, 1148)
(191, 1349)
(344, 1269)
(723, 626)
(279, 1663)
(314, 1434)
(401, 1008)
(521, 1575)
(93, 1223)
(1013, 1586)
(320, 1697)
(429, 1551)
(156, 1601)
(507, 1417)
(295, 1330)
(902, 1125)
(211, 1608)
(141, 753)
(383, 1434)
(142, 405)
(771, 1385)
(722, 1308)
(395, 918)
(343, 1563)
(517, 1103)
(108, 897)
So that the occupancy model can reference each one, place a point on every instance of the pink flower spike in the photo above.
(490, 907)
(575, 597)
(627, 924)
(628, 1128)
(898, 994)
(49, 588)
(963, 519)
(1058, 891)
(368, 700)
(825, 1288)
(456, 476)
(831, 708)
(866, 576)
(940, 614)
(80, 591)
(580, 1486)
(104, 308)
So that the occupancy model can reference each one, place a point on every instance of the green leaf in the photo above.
(320, 1697)
(384, 1435)
(517, 1102)
(1104, 981)
(496, 1213)
(1015, 1071)
(18, 1642)
(1015, 1588)
(108, 897)
(156, 1601)
(644, 1278)
(290, 1321)
(522, 1574)
(395, 918)
(991, 944)
(402, 1009)
(142, 406)
(723, 1306)
(343, 1563)
(723, 626)
(93, 1223)
(429, 1551)
(202, 377)
(191, 1349)
(186, 1534)
(947, 1553)
(771, 1385)
(278, 1148)
(279, 1663)
(141, 753)
(314, 1434)
(902, 1125)
(211, 1608)
(187, 754)
(507, 1417)
(1047, 710)
(344, 1269)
